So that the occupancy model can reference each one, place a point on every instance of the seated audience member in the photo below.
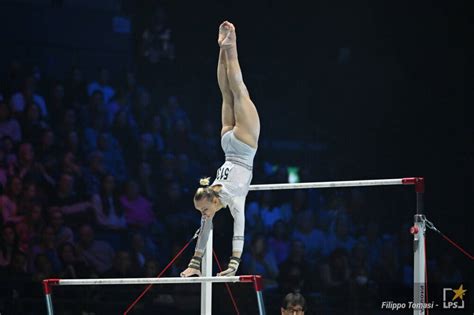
(335, 278)
(269, 211)
(138, 209)
(9, 201)
(279, 241)
(261, 261)
(296, 257)
(98, 254)
(109, 212)
(32, 124)
(122, 267)
(94, 172)
(9, 126)
(72, 266)
(34, 222)
(47, 247)
(8, 244)
(293, 304)
(76, 210)
(139, 251)
(43, 268)
(313, 239)
(102, 85)
(339, 236)
(63, 233)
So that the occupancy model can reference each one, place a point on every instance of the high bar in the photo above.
(348, 183)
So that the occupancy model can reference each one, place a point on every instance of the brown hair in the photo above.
(206, 191)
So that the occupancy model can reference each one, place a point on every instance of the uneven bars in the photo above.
(255, 279)
(349, 183)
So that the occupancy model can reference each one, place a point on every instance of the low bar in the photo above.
(170, 280)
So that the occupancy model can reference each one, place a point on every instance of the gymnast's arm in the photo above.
(206, 227)
(194, 266)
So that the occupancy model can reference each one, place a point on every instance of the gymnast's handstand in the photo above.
(239, 140)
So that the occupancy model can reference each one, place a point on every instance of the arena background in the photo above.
(345, 90)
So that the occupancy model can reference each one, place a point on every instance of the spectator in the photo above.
(63, 233)
(138, 211)
(335, 271)
(35, 223)
(9, 202)
(75, 208)
(147, 149)
(47, 147)
(118, 103)
(293, 269)
(261, 261)
(57, 101)
(98, 254)
(109, 212)
(122, 267)
(9, 126)
(138, 253)
(94, 172)
(32, 124)
(114, 162)
(72, 266)
(270, 211)
(156, 42)
(125, 131)
(339, 236)
(11, 158)
(102, 85)
(186, 171)
(142, 108)
(335, 279)
(75, 86)
(146, 181)
(8, 244)
(313, 239)
(43, 268)
(279, 241)
(47, 247)
(157, 133)
(293, 304)
(19, 100)
(180, 140)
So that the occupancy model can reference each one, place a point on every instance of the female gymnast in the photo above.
(239, 140)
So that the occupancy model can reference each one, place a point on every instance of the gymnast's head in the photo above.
(294, 304)
(206, 198)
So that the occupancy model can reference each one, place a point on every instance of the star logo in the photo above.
(459, 293)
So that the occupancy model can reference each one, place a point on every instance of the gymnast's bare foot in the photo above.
(227, 36)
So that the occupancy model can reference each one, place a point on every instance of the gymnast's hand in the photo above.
(194, 267)
(231, 269)
(189, 272)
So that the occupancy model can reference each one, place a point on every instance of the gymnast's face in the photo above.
(208, 207)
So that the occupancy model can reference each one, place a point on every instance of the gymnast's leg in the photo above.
(228, 119)
(247, 122)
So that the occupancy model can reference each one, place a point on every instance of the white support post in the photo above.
(419, 278)
(206, 287)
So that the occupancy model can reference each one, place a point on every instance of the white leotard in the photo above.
(234, 176)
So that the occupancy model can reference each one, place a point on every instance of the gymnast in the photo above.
(239, 140)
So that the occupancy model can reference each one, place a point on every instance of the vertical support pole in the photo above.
(419, 272)
(206, 287)
(258, 284)
(47, 295)
(419, 268)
